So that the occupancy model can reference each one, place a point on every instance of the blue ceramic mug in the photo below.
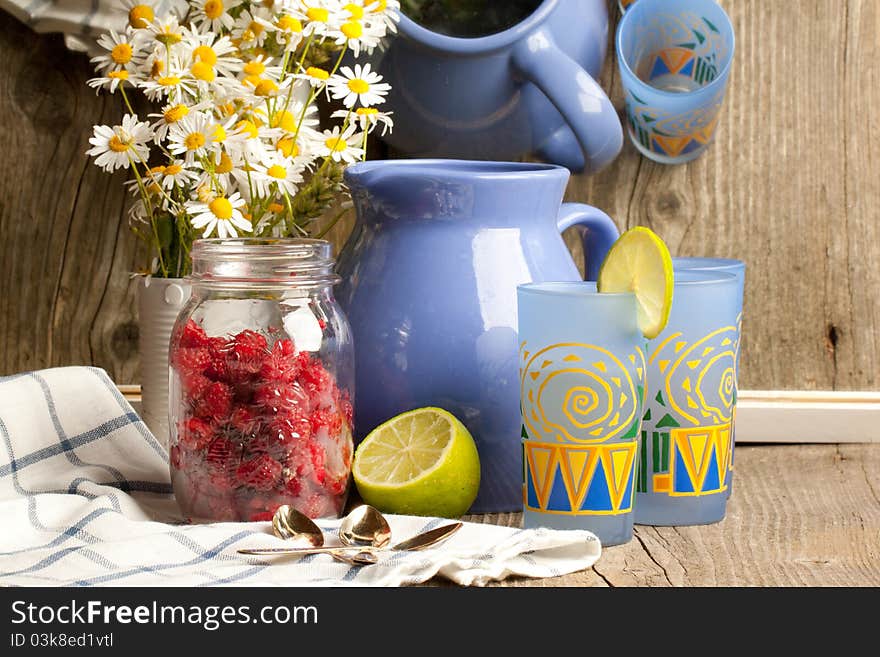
(529, 88)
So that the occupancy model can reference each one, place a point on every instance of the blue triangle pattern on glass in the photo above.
(682, 478)
(558, 496)
(531, 496)
(598, 498)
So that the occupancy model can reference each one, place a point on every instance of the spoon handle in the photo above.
(321, 550)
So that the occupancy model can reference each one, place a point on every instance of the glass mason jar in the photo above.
(261, 383)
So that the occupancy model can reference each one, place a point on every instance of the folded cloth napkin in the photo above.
(86, 500)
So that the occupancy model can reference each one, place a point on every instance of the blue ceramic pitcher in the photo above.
(429, 278)
(528, 89)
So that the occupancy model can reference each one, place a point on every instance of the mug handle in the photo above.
(581, 101)
(599, 234)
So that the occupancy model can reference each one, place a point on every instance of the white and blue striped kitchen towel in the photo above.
(85, 500)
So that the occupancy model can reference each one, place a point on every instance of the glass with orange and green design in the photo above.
(582, 389)
(683, 469)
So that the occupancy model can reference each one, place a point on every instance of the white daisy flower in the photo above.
(344, 147)
(140, 13)
(288, 31)
(209, 50)
(166, 30)
(357, 34)
(213, 15)
(276, 172)
(122, 50)
(176, 173)
(252, 28)
(111, 80)
(382, 12)
(175, 85)
(222, 170)
(221, 213)
(116, 147)
(360, 84)
(191, 136)
(367, 118)
(257, 68)
(171, 114)
(321, 16)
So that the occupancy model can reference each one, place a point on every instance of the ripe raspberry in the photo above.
(260, 473)
(193, 336)
(281, 398)
(215, 403)
(249, 346)
(196, 434)
(327, 418)
(222, 459)
(217, 369)
(194, 385)
(316, 453)
(292, 486)
(245, 421)
(280, 365)
(190, 361)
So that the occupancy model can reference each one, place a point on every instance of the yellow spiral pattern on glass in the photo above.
(700, 381)
(580, 393)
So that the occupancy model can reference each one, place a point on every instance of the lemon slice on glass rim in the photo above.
(639, 262)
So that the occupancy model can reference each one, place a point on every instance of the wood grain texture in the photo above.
(791, 186)
(65, 249)
(799, 515)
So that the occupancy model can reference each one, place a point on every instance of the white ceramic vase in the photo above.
(159, 302)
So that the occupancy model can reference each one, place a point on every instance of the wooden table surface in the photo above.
(799, 515)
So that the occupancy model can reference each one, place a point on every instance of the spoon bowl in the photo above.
(290, 524)
(365, 526)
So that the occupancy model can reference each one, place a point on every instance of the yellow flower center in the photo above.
(221, 208)
(265, 88)
(352, 29)
(287, 146)
(336, 144)
(169, 81)
(318, 14)
(254, 67)
(140, 15)
(366, 111)
(118, 75)
(168, 37)
(219, 133)
(206, 54)
(213, 9)
(194, 140)
(248, 128)
(226, 109)
(359, 86)
(252, 31)
(225, 165)
(354, 10)
(277, 171)
(121, 53)
(158, 169)
(252, 80)
(174, 114)
(277, 208)
(289, 23)
(203, 71)
(117, 145)
(317, 73)
(285, 120)
(172, 169)
(382, 6)
(156, 68)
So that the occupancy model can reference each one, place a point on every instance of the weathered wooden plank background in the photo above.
(791, 186)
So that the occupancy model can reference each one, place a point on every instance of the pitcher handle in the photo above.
(600, 232)
(581, 101)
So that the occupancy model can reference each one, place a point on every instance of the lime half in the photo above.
(423, 462)
(639, 262)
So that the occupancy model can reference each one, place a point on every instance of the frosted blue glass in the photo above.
(686, 435)
(582, 388)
